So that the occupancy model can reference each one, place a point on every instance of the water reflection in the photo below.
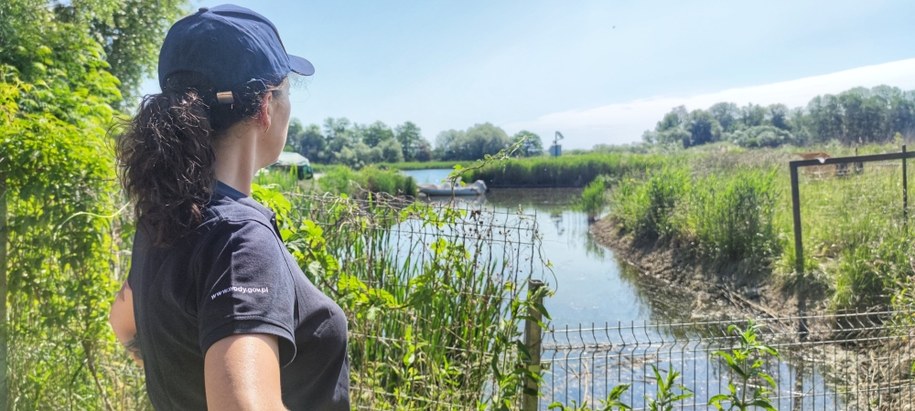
(597, 291)
(588, 284)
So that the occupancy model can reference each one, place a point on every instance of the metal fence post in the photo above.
(905, 190)
(533, 336)
(796, 210)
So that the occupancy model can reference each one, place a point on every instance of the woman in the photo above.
(214, 306)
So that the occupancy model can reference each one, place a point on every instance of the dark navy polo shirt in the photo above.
(233, 275)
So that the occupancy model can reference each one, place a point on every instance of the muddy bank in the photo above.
(717, 291)
(863, 357)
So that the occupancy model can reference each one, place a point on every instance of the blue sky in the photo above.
(601, 72)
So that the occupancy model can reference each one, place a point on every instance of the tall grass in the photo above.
(432, 298)
(646, 207)
(343, 180)
(594, 196)
(733, 216)
(855, 232)
(424, 165)
(736, 207)
(565, 171)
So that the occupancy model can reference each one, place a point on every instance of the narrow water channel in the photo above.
(591, 285)
(595, 291)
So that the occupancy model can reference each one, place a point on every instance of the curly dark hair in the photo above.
(166, 157)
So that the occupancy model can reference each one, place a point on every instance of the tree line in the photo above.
(856, 116)
(341, 141)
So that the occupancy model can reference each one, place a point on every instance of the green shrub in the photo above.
(646, 208)
(341, 180)
(594, 196)
(732, 216)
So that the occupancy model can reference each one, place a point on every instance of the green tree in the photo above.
(532, 143)
(339, 133)
(391, 151)
(777, 116)
(702, 128)
(423, 151)
(376, 133)
(677, 117)
(294, 135)
(480, 140)
(446, 144)
(313, 145)
(411, 140)
(131, 36)
(727, 115)
(752, 115)
(825, 118)
(864, 117)
(57, 193)
(307, 141)
(901, 115)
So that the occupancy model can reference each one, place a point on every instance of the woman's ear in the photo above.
(266, 111)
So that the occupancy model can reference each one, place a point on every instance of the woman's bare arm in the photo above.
(243, 373)
(124, 323)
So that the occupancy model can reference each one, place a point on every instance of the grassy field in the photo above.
(735, 206)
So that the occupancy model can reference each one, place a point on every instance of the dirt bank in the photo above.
(717, 291)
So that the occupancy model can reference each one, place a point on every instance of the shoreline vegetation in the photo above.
(66, 227)
(730, 207)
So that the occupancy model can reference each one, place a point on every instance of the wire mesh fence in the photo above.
(851, 223)
(438, 281)
(858, 361)
(429, 290)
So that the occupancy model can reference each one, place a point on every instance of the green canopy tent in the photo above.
(294, 161)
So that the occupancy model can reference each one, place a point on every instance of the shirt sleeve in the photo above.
(247, 286)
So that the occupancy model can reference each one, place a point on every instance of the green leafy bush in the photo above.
(733, 216)
(646, 208)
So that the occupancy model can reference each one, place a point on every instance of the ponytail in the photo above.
(166, 156)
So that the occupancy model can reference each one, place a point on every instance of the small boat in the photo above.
(448, 189)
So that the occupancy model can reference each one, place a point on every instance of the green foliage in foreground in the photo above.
(747, 362)
(610, 403)
(433, 320)
(669, 393)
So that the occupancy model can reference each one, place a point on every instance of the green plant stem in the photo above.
(4, 341)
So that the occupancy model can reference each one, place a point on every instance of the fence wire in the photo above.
(452, 272)
(857, 361)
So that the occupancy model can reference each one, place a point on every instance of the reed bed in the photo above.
(341, 180)
(565, 171)
(434, 295)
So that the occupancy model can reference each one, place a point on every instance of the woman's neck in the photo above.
(236, 154)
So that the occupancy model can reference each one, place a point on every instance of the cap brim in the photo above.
(301, 66)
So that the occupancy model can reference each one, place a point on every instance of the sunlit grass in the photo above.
(735, 206)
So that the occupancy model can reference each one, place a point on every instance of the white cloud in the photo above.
(621, 123)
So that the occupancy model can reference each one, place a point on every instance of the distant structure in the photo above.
(295, 162)
(556, 148)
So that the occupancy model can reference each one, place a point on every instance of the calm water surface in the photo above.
(593, 287)
(590, 283)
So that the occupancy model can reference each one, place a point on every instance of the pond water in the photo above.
(593, 290)
(590, 284)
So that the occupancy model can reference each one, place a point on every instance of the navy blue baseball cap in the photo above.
(230, 46)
